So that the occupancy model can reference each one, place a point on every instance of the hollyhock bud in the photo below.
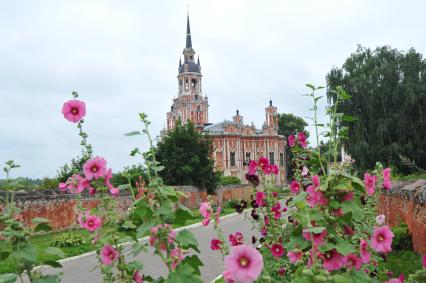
(305, 171)
(281, 271)
(380, 219)
(215, 244)
(260, 198)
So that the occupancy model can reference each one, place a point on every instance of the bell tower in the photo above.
(190, 104)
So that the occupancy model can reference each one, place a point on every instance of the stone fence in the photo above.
(406, 203)
(60, 208)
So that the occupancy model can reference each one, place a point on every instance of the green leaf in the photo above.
(53, 263)
(187, 240)
(184, 273)
(315, 230)
(143, 229)
(334, 204)
(39, 220)
(8, 278)
(28, 253)
(298, 198)
(194, 262)
(348, 118)
(344, 184)
(181, 215)
(42, 227)
(54, 251)
(343, 247)
(351, 206)
(134, 133)
(157, 168)
(47, 279)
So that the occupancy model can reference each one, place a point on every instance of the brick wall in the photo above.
(406, 203)
(60, 208)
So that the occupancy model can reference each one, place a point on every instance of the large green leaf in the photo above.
(182, 214)
(343, 247)
(47, 279)
(187, 240)
(54, 251)
(8, 278)
(351, 206)
(184, 273)
(194, 262)
(28, 253)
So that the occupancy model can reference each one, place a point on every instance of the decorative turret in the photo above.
(271, 119)
(238, 118)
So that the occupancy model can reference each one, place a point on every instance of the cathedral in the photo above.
(234, 144)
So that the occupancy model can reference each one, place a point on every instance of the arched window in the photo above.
(271, 158)
(232, 158)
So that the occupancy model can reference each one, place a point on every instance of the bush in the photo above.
(419, 276)
(68, 239)
(229, 180)
(402, 238)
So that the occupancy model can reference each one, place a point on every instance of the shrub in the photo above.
(402, 238)
(68, 239)
(419, 276)
(229, 180)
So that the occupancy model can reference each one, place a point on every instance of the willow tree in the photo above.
(388, 89)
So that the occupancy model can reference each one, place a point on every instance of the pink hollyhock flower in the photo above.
(318, 238)
(267, 169)
(424, 261)
(92, 191)
(266, 220)
(205, 209)
(277, 250)
(316, 181)
(252, 168)
(365, 255)
(215, 244)
(137, 277)
(370, 183)
(332, 260)
(274, 169)
(244, 263)
(263, 162)
(352, 261)
(95, 168)
(153, 239)
(302, 139)
(380, 219)
(394, 280)
(281, 271)
(294, 256)
(62, 187)
(227, 276)
(348, 230)
(92, 223)
(177, 256)
(338, 212)
(74, 110)
(387, 184)
(277, 211)
(114, 191)
(236, 239)
(381, 240)
(75, 184)
(315, 197)
(260, 198)
(291, 141)
(108, 254)
(348, 197)
(274, 194)
(305, 171)
(294, 187)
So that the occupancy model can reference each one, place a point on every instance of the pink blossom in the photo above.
(236, 239)
(305, 171)
(274, 169)
(205, 209)
(252, 168)
(137, 277)
(332, 260)
(316, 181)
(267, 169)
(244, 263)
(177, 256)
(370, 183)
(365, 255)
(281, 271)
(62, 187)
(338, 212)
(348, 230)
(217, 215)
(75, 184)
(387, 184)
(394, 280)
(153, 238)
(263, 162)
(315, 196)
(318, 238)
(380, 219)
(381, 240)
(92, 223)
(108, 254)
(74, 110)
(92, 191)
(263, 231)
(260, 198)
(277, 250)
(95, 168)
(114, 191)
(302, 139)
(294, 256)
(291, 141)
(352, 261)
(227, 276)
(294, 187)
(277, 211)
(215, 244)
(349, 196)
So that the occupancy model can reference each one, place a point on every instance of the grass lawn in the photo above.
(43, 241)
(405, 262)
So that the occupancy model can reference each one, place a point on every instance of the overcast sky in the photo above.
(122, 57)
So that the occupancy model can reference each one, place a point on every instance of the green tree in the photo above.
(388, 89)
(185, 154)
(289, 124)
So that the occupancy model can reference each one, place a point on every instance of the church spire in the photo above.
(188, 33)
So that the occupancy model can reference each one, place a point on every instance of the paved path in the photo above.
(81, 270)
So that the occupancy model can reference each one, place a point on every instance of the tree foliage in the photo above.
(185, 154)
(388, 89)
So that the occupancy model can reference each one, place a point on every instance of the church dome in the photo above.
(191, 67)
